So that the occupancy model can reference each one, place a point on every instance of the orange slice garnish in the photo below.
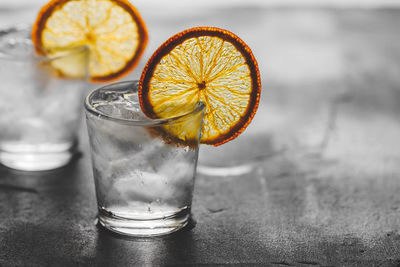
(207, 65)
(113, 31)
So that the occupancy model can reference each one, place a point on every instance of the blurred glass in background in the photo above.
(40, 110)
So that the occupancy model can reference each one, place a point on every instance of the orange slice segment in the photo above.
(113, 30)
(208, 65)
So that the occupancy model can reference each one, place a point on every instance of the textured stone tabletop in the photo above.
(323, 184)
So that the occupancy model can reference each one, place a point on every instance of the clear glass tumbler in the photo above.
(40, 110)
(144, 176)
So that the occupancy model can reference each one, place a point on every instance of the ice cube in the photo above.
(122, 110)
(143, 186)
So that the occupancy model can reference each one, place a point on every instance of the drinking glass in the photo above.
(40, 110)
(144, 175)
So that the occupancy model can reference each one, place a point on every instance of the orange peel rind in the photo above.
(209, 65)
(113, 31)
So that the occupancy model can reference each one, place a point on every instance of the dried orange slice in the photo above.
(113, 30)
(209, 65)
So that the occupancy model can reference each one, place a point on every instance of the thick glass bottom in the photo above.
(36, 157)
(144, 227)
(239, 157)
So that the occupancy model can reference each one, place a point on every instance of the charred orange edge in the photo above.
(179, 38)
(50, 7)
(172, 140)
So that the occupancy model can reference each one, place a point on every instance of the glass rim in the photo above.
(150, 122)
(34, 55)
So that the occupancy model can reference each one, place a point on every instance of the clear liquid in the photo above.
(138, 175)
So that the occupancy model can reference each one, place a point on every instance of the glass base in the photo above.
(225, 171)
(36, 158)
(144, 227)
(237, 157)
